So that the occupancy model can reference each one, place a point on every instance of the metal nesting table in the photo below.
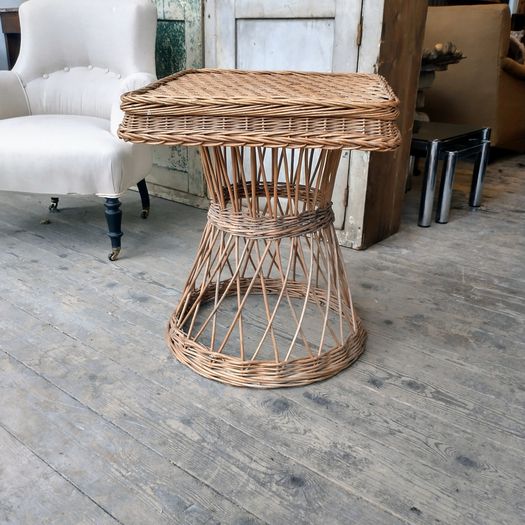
(449, 142)
(267, 302)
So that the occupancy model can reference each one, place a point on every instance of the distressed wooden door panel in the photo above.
(300, 35)
(301, 45)
(177, 172)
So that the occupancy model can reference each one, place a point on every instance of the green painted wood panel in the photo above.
(170, 47)
(177, 173)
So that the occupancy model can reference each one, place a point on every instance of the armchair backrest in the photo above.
(75, 53)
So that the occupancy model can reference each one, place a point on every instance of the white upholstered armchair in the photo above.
(60, 105)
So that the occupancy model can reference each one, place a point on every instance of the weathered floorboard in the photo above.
(427, 427)
(33, 492)
(130, 481)
(209, 448)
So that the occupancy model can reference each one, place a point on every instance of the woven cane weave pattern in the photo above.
(247, 93)
(242, 224)
(330, 133)
(237, 108)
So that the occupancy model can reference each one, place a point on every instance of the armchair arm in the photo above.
(130, 83)
(13, 99)
(513, 68)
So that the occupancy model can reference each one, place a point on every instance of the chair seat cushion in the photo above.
(61, 154)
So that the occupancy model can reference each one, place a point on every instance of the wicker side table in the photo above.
(267, 302)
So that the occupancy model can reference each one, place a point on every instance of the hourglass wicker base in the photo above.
(265, 373)
(267, 302)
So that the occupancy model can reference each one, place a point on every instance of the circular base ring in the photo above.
(263, 373)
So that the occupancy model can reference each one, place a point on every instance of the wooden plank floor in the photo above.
(99, 424)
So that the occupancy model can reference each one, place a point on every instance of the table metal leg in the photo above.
(445, 191)
(478, 176)
(429, 185)
(410, 173)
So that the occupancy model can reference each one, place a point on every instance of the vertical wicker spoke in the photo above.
(284, 284)
(269, 317)
(268, 260)
(325, 274)
(203, 289)
(224, 295)
(253, 281)
(239, 299)
(305, 304)
(216, 295)
(269, 327)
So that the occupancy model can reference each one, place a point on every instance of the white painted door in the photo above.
(297, 35)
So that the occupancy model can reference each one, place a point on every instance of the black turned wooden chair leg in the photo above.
(144, 197)
(114, 219)
(53, 207)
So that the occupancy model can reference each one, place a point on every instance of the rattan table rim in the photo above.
(387, 101)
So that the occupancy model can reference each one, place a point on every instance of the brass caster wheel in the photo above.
(113, 256)
(144, 213)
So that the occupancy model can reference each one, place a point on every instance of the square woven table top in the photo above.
(276, 109)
